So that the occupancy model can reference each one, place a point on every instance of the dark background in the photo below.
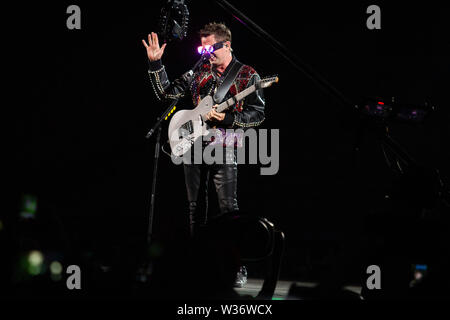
(84, 103)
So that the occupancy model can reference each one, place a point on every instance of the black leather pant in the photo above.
(197, 180)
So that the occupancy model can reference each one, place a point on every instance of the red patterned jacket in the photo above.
(249, 112)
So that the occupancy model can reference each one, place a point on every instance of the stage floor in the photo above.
(253, 286)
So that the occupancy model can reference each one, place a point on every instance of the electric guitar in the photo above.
(186, 126)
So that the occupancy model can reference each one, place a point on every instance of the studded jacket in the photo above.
(246, 113)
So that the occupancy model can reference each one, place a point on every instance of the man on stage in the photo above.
(206, 80)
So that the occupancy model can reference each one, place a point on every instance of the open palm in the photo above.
(154, 51)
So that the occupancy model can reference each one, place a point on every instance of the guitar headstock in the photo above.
(267, 82)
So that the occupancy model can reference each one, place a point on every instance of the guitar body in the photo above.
(186, 126)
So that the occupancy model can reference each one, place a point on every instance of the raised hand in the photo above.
(154, 52)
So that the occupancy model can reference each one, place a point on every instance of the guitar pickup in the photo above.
(185, 129)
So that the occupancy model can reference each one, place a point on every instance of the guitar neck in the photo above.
(238, 97)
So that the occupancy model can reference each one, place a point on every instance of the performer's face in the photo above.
(218, 57)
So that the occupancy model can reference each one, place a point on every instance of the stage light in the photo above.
(377, 109)
(419, 274)
(412, 113)
(35, 258)
(35, 261)
(29, 207)
(55, 268)
(56, 271)
(174, 20)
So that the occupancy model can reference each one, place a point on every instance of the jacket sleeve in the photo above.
(252, 114)
(161, 85)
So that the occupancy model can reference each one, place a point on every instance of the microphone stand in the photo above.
(157, 126)
(146, 269)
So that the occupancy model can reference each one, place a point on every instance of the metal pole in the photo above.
(152, 199)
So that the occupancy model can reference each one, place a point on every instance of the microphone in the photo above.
(206, 55)
(188, 75)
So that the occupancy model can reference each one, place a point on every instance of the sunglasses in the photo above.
(210, 48)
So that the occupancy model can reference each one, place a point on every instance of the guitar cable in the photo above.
(162, 149)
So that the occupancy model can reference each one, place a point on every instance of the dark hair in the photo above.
(219, 30)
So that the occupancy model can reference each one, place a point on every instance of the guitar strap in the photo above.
(227, 82)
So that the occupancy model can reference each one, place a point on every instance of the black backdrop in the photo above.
(84, 104)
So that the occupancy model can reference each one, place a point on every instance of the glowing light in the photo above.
(239, 20)
(421, 266)
(29, 207)
(56, 268)
(207, 48)
(35, 258)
